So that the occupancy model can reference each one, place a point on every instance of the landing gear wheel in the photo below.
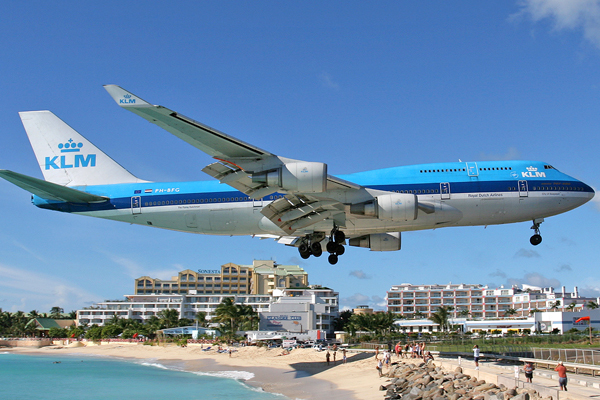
(536, 238)
(316, 249)
(331, 247)
(333, 259)
(340, 250)
(339, 237)
(305, 255)
(303, 249)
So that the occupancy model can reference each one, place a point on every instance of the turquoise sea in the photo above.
(82, 377)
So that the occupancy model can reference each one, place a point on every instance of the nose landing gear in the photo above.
(536, 238)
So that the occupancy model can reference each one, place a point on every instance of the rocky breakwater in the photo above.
(428, 382)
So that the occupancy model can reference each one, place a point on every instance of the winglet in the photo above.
(125, 98)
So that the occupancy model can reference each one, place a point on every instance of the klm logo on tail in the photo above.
(70, 161)
(127, 100)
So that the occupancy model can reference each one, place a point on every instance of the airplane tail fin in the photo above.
(67, 158)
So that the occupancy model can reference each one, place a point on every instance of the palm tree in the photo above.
(418, 314)
(441, 317)
(592, 305)
(571, 306)
(227, 312)
(56, 312)
(510, 312)
(169, 318)
(464, 313)
(554, 305)
(201, 318)
(534, 311)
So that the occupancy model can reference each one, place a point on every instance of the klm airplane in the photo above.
(298, 203)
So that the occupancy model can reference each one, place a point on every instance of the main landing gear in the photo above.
(334, 246)
(536, 238)
(310, 245)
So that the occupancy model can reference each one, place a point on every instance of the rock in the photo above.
(458, 370)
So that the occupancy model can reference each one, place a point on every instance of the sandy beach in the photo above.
(302, 374)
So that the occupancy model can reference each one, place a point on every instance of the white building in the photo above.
(142, 307)
(300, 310)
(479, 301)
(544, 322)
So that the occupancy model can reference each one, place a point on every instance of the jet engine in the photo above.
(304, 177)
(378, 241)
(392, 207)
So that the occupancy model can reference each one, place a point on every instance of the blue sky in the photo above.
(357, 85)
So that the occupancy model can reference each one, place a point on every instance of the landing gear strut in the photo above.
(334, 246)
(536, 238)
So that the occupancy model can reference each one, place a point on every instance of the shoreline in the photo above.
(302, 374)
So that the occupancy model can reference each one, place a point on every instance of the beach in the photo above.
(301, 374)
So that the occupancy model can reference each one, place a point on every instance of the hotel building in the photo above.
(480, 302)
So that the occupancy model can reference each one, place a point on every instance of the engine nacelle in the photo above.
(304, 177)
(390, 207)
(378, 241)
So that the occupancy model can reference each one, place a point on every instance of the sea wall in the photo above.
(25, 342)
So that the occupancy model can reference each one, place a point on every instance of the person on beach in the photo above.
(476, 356)
(344, 356)
(427, 357)
(379, 367)
(327, 356)
(334, 353)
(528, 369)
(562, 375)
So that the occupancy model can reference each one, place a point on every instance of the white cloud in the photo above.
(359, 274)
(564, 267)
(26, 290)
(327, 81)
(534, 279)
(511, 154)
(527, 254)
(359, 299)
(498, 273)
(591, 289)
(581, 15)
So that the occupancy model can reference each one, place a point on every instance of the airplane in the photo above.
(295, 202)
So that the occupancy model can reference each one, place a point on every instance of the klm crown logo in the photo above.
(127, 100)
(532, 172)
(70, 147)
(73, 161)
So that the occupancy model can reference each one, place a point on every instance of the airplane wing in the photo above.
(48, 190)
(252, 170)
(211, 141)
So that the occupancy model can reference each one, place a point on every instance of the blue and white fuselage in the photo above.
(261, 194)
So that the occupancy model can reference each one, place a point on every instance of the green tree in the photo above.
(510, 312)
(228, 315)
(111, 331)
(441, 317)
(464, 313)
(169, 318)
(94, 332)
(57, 332)
(592, 305)
(554, 305)
(340, 323)
(201, 319)
(571, 306)
(56, 312)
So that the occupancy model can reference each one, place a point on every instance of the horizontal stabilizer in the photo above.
(48, 190)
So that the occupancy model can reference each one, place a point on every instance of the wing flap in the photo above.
(48, 190)
(294, 212)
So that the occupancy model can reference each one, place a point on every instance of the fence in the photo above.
(578, 356)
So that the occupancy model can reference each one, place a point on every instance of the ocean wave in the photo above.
(237, 375)
(154, 364)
